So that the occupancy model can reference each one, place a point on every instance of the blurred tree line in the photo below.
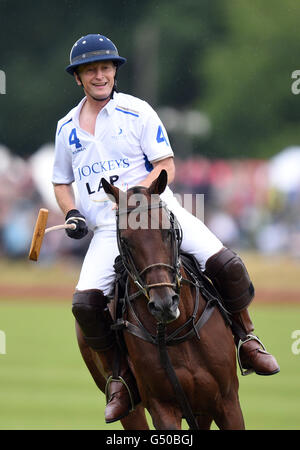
(230, 61)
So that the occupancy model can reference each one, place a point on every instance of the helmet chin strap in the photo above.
(109, 96)
(102, 99)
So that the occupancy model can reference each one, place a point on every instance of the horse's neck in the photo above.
(187, 302)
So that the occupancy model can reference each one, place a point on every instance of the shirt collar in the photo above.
(109, 108)
(76, 111)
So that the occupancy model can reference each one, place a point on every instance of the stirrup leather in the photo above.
(250, 337)
(120, 380)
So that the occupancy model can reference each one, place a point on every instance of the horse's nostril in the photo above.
(175, 299)
(151, 306)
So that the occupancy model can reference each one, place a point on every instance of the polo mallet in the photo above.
(40, 230)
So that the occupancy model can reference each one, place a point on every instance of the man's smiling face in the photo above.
(97, 79)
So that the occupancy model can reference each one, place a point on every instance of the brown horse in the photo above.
(180, 348)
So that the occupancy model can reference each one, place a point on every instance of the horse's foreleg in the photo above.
(136, 420)
(204, 422)
(165, 416)
(231, 417)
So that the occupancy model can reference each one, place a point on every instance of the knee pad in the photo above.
(229, 275)
(91, 312)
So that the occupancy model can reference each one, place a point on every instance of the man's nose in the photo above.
(99, 74)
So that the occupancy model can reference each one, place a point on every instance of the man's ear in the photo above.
(78, 79)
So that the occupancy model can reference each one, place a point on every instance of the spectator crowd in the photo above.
(249, 204)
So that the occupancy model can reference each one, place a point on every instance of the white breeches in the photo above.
(97, 270)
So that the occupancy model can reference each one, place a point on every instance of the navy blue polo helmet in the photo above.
(91, 48)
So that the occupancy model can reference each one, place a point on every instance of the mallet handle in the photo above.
(70, 226)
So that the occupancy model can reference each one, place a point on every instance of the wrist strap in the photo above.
(75, 218)
(71, 212)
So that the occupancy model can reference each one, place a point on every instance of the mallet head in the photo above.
(38, 234)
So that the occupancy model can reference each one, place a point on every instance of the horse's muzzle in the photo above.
(164, 308)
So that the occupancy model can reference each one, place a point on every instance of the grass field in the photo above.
(45, 385)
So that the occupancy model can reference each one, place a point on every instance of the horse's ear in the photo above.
(111, 191)
(159, 185)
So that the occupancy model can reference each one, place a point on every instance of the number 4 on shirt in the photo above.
(160, 136)
(73, 139)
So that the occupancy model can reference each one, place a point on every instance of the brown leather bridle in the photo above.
(127, 259)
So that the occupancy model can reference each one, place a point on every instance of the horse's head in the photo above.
(148, 243)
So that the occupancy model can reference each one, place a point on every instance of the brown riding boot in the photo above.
(121, 393)
(251, 353)
(121, 390)
(230, 277)
(91, 312)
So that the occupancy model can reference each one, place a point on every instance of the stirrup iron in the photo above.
(120, 380)
(250, 337)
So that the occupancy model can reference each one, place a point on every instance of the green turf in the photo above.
(43, 381)
(273, 402)
(45, 385)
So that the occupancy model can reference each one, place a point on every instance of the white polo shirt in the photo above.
(128, 136)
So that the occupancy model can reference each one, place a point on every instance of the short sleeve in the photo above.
(154, 139)
(62, 168)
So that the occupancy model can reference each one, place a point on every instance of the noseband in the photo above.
(125, 253)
